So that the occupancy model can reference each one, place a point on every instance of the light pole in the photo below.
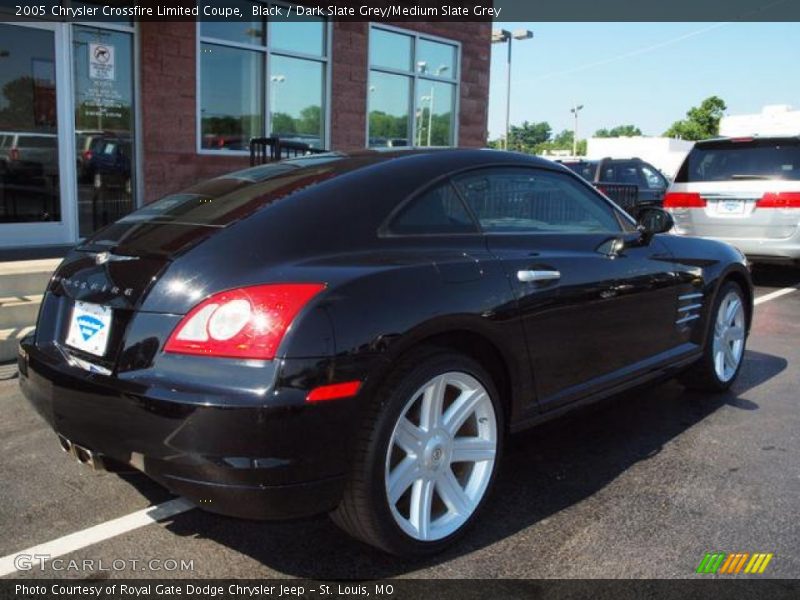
(500, 36)
(276, 80)
(422, 67)
(574, 110)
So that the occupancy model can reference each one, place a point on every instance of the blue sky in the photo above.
(646, 74)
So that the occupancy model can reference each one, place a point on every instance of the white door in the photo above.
(37, 147)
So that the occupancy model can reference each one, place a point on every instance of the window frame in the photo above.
(626, 222)
(415, 76)
(267, 51)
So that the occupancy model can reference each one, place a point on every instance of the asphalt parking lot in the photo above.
(641, 485)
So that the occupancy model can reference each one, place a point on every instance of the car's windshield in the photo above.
(742, 160)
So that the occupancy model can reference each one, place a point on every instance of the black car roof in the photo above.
(447, 158)
(371, 180)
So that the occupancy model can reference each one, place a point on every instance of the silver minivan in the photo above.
(744, 191)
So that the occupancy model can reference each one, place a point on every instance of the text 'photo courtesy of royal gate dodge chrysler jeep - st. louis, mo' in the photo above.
(358, 333)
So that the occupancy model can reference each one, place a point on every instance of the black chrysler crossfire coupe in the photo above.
(358, 333)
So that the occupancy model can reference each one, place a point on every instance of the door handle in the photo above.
(529, 276)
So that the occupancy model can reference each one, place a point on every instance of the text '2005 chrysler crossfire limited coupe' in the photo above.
(358, 333)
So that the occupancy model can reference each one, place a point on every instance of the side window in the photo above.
(438, 210)
(628, 174)
(536, 201)
(654, 179)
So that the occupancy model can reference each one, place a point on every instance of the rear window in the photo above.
(746, 160)
(224, 200)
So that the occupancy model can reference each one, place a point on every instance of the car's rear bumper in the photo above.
(276, 458)
(769, 234)
(786, 250)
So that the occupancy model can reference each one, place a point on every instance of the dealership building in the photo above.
(99, 118)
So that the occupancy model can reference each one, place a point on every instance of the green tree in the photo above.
(310, 120)
(283, 124)
(526, 137)
(618, 131)
(701, 122)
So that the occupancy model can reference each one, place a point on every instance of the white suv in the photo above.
(745, 191)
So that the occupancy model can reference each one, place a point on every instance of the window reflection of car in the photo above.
(622, 178)
(215, 141)
(84, 139)
(26, 155)
(110, 161)
(378, 142)
(299, 138)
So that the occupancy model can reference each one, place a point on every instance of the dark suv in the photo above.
(630, 182)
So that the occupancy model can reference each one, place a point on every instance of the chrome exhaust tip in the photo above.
(65, 444)
(83, 455)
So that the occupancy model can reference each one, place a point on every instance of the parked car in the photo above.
(358, 333)
(631, 182)
(110, 162)
(745, 191)
(28, 155)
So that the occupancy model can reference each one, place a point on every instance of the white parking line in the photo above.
(776, 294)
(98, 533)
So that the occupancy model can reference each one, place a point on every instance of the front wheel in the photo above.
(427, 456)
(725, 344)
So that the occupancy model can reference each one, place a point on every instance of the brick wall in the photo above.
(168, 97)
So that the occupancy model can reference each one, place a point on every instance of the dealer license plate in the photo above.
(730, 207)
(89, 328)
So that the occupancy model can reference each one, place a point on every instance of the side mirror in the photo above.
(654, 220)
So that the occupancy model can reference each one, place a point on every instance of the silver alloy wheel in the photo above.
(728, 336)
(441, 456)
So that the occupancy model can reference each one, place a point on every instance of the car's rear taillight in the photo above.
(247, 322)
(684, 200)
(13, 153)
(87, 155)
(779, 200)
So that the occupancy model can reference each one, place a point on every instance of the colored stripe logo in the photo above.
(733, 563)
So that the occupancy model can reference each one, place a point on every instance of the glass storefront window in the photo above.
(296, 89)
(231, 96)
(304, 37)
(29, 174)
(235, 30)
(389, 96)
(434, 116)
(104, 129)
(390, 50)
(435, 58)
(433, 79)
(276, 86)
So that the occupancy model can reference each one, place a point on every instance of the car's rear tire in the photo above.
(725, 343)
(409, 491)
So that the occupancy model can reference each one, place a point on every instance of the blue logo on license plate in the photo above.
(89, 326)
